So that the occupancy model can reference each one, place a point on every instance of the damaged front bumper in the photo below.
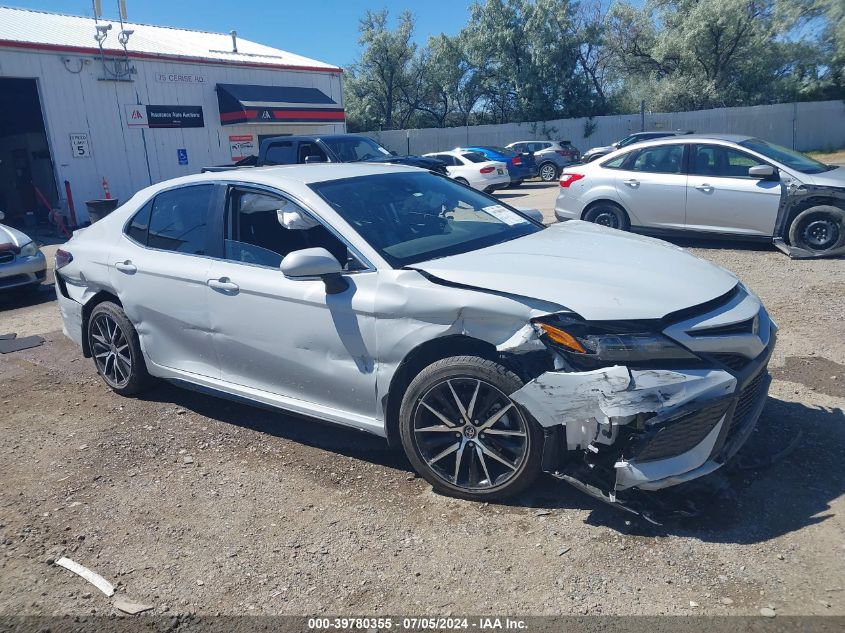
(615, 431)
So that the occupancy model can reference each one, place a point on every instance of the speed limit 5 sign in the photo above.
(79, 145)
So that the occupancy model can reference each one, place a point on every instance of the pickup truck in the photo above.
(331, 148)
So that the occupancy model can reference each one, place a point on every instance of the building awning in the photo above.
(242, 103)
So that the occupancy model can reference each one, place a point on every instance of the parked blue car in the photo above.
(520, 166)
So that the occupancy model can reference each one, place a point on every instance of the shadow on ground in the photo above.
(25, 297)
(758, 505)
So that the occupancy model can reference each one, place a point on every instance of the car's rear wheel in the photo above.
(464, 434)
(116, 350)
(548, 172)
(608, 214)
(819, 229)
(463, 181)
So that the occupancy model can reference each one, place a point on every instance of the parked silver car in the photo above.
(401, 303)
(551, 156)
(720, 185)
(22, 264)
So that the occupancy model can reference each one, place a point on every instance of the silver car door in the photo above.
(283, 336)
(160, 272)
(723, 198)
(652, 186)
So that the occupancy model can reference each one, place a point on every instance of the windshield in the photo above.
(790, 158)
(356, 148)
(413, 217)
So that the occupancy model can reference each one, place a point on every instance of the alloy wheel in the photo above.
(470, 433)
(110, 349)
(548, 172)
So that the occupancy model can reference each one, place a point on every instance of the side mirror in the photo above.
(310, 263)
(314, 159)
(761, 171)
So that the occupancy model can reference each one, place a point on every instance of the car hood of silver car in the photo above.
(596, 272)
(8, 236)
(833, 178)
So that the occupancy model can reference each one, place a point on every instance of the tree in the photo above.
(693, 54)
(379, 85)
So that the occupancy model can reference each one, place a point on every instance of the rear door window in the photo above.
(280, 154)
(179, 218)
(662, 159)
(140, 223)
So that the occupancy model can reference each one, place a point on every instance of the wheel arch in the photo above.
(87, 309)
(419, 358)
(806, 203)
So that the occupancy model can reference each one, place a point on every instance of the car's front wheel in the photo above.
(464, 434)
(548, 172)
(819, 229)
(116, 350)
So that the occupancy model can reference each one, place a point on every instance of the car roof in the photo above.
(696, 138)
(307, 174)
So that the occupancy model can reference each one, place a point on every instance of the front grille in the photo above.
(736, 362)
(6, 257)
(745, 405)
(743, 327)
(678, 436)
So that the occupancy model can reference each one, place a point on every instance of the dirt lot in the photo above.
(197, 505)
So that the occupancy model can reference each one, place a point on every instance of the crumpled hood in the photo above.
(12, 238)
(599, 273)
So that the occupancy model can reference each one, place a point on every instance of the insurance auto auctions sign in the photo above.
(158, 116)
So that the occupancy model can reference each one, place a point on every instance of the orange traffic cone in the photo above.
(106, 188)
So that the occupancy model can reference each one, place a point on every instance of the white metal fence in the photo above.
(802, 126)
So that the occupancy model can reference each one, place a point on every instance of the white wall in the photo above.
(132, 158)
(803, 126)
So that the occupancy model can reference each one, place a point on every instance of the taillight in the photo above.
(517, 160)
(487, 170)
(63, 258)
(567, 179)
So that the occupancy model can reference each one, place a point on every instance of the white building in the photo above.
(74, 111)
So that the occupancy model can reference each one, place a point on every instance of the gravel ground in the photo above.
(197, 505)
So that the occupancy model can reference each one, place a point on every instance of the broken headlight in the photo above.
(595, 345)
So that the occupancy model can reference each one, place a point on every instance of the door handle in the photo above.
(632, 182)
(704, 187)
(224, 283)
(126, 267)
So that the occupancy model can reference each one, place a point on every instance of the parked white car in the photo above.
(713, 186)
(392, 300)
(474, 169)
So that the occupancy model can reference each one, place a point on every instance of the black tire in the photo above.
(818, 229)
(549, 172)
(126, 378)
(463, 181)
(594, 157)
(513, 435)
(608, 214)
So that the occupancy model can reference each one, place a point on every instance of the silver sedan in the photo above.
(713, 186)
(22, 264)
(398, 302)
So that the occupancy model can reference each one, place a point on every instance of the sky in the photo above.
(326, 30)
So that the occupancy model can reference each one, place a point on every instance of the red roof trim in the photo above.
(139, 55)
